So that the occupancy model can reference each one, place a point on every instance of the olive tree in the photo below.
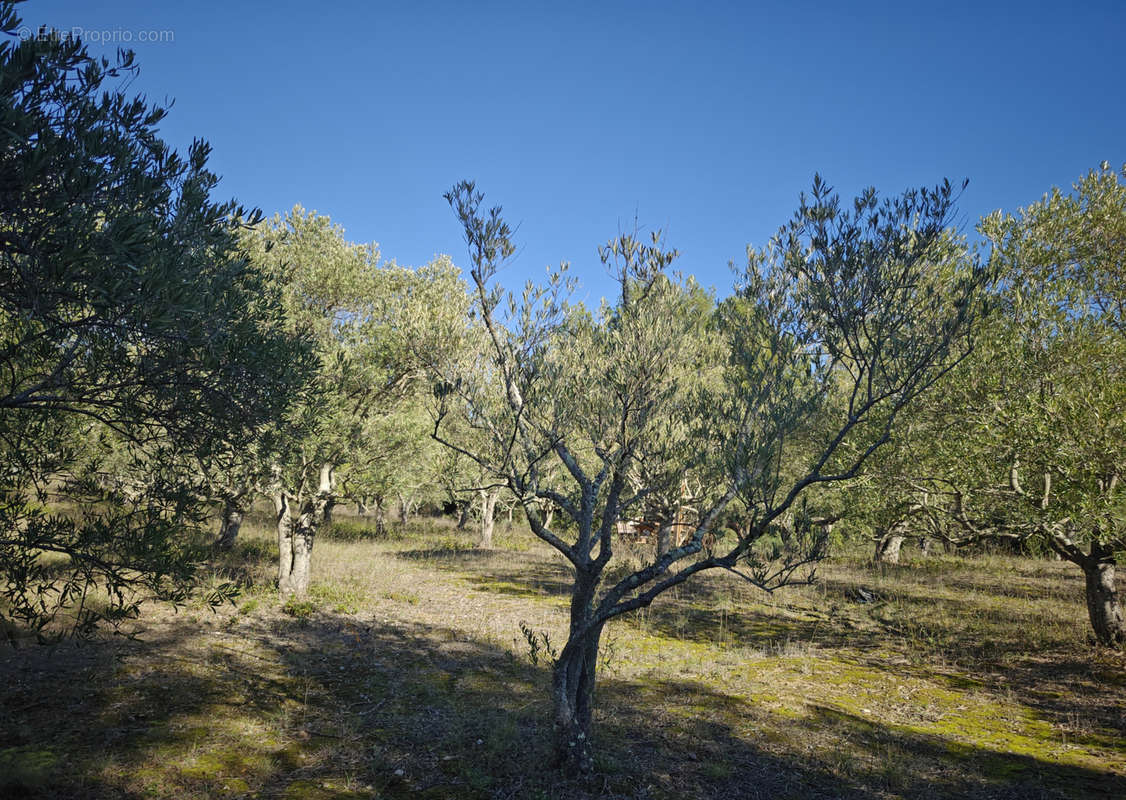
(128, 316)
(368, 319)
(1027, 436)
(843, 298)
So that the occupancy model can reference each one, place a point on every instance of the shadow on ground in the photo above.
(332, 706)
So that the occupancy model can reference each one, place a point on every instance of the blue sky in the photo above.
(704, 119)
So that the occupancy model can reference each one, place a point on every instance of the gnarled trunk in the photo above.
(572, 694)
(231, 523)
(303, 534)
(888, 547)
(404, 509)
(665, 538)
(1104, 606)
(380, 517)
(295, 537)
(488, 508)
(284, 520)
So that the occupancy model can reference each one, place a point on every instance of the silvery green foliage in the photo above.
(129, 322)
(788, 387)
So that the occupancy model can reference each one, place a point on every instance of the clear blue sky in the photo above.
(706, 119)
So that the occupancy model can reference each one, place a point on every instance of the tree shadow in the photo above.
(338, 706)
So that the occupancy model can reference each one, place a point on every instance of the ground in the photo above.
(411, 672)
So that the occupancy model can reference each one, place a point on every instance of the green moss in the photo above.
(323, 790)
(26, 767)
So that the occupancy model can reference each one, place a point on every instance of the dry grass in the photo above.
(406, 674)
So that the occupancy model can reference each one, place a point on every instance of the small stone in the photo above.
(400, 773)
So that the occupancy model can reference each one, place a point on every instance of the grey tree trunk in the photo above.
(404, 509)
(1104, 606)
(231, 523)
(888, 547)
(572, 692)
(380, 517)
(303, 535)
(295, 537)
(664, 538)
(284, 521)
(361, 507)
(488, 509)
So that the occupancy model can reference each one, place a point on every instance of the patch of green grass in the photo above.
(301, 609)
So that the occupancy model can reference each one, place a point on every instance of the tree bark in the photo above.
(888, 547)
(1104, 606)
(380, 517)
(284, 521)
(404, 509)
(572, 691)
(303, 535)
(488, 507)
(664, 538)
(295, 537)
(232, 522)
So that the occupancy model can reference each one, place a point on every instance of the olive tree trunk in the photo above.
(888, 547)
(284, 520)
(573, 682)
(231, 523)
(296, 534)
(488, 510)
(1104, 606)
(404, 509)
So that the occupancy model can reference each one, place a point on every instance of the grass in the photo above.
(409, 672)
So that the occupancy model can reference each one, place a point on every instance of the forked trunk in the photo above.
(232, 522)
(1103, 603)
(295, 537)
(572, 693)
(888, 547)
